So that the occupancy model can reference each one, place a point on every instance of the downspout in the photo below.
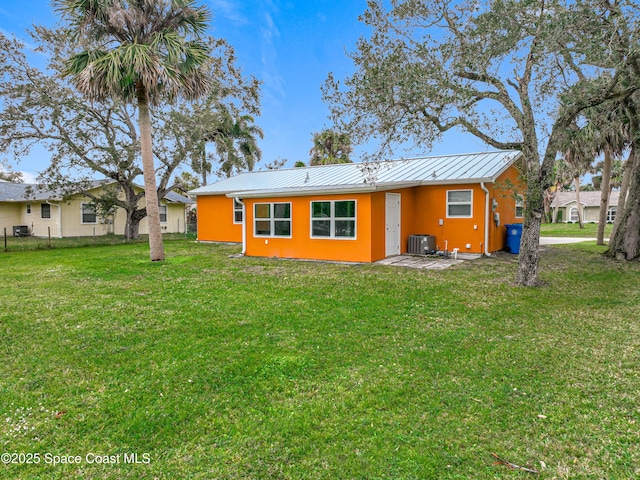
(59, 216)
(486, 219)
(244, 225)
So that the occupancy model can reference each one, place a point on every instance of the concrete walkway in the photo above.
(427, 263)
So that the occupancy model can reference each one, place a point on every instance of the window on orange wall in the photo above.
(237, 211)
(272, 219)
(333, 219)
(459, 203)
(519, 206)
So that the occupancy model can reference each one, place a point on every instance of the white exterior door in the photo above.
(392, 220)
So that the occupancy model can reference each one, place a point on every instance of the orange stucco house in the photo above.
(366, 212)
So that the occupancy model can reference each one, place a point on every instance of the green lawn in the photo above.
(590, 230)
(214, 367)
(42, 243)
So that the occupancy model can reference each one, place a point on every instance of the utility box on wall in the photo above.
(20, 231)
(421, 244)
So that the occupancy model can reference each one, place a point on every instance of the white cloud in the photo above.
(269, 33)
(28, 177)
(229, 10)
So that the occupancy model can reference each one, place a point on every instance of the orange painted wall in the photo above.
(215, 219)
(504, 191)
(423, 207)
(430, 206)
(421, 210)
(378, 221)
(301, 245)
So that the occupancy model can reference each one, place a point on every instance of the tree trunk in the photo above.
(156, 246)
(624, 190)
(527, 273)
(132, 227)
(625, 244)
(604, 197)
(556, 200)
(548, 200)
(577, 183)
(204, 166)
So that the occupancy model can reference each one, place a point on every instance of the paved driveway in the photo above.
(565, 240)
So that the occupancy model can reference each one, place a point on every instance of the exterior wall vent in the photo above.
(421, 244)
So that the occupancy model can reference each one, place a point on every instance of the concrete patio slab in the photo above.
(422, 262)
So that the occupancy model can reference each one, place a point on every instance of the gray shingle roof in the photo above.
(448, 169)
(24, 192)
(588, 199)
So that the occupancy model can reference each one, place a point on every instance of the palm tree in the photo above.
(144, 52)
(576, 148)
(611, 140)
(236, 142)
(330, 147)
(561, 173)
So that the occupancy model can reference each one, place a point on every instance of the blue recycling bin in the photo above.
(514, 234)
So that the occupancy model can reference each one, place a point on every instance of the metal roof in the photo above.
(360, 177)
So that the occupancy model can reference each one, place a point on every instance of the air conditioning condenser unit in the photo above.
(421, 244)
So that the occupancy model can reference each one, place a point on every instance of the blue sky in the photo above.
(289, 46)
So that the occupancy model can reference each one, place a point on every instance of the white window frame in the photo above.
(611, 214)
(85, 204)
(272, 220)
(166, 213)
(237, 208)
(470, 203)
(28, 209)
(519, 205)
(41, 211)
(332, 219)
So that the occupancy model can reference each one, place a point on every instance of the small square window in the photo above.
(88, 213)
(459, 203)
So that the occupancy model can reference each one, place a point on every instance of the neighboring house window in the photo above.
(237, 211)
(89, 213)
(28, 209)
(459, 203)
(611, 214)
(162, 209)
(45, 210)
(272, 219)
(573, 214)
(333, 219)
(519, 206)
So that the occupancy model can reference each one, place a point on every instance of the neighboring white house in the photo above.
(589, 206)
(26, 208)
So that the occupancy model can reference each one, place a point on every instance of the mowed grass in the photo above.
(236, 368)
(590, 230)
